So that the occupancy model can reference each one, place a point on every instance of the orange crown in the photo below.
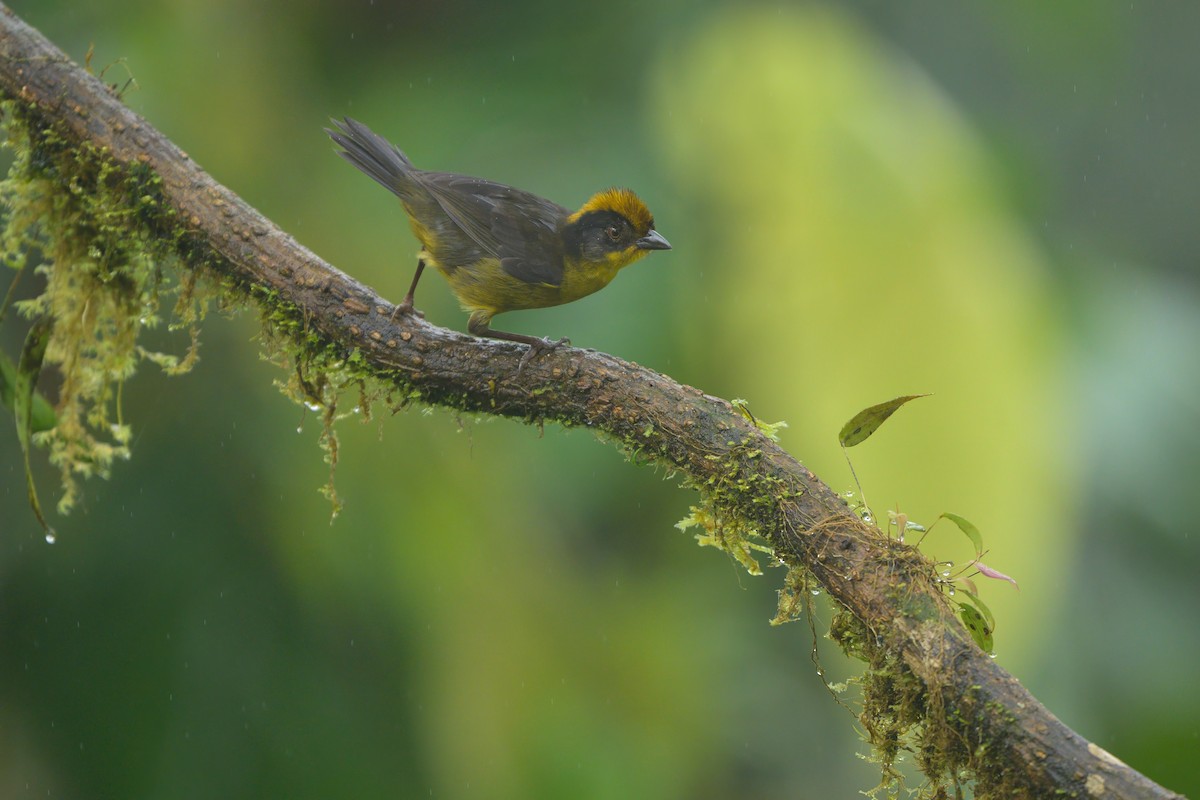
(623, 202)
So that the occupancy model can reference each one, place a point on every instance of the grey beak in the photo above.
(653, 241)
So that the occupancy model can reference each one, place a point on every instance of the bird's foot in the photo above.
(539, 346)
(405, 309)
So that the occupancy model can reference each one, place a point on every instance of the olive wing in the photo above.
(518, 228)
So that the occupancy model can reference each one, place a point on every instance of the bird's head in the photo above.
(613, 227)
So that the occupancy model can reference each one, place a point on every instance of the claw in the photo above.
(404, 310)
(539, 346)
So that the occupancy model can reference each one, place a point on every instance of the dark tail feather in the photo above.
(373, 154)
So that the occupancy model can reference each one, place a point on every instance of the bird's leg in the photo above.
(406, 305)
(478, 325)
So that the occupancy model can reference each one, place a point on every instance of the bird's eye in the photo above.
(613, 232)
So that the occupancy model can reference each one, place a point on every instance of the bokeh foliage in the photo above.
(865, 200)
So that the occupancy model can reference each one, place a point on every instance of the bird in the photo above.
(501, 248)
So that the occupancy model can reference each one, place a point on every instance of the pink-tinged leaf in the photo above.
(988, 572)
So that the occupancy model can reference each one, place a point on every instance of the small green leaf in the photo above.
(967, 527)
(979, 604)
(867, 421)
(41, 413)
(28, 369)
(769, 429)
(976, 625)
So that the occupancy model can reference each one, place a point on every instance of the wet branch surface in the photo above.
(1014, 745)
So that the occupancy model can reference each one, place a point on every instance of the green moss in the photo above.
(111, 251)
(99, 235)
(769, 429)
(796, 596)
(903, 719)
(726, 532)
(319, 374)
(734, 484)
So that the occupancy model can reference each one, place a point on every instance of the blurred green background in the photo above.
(995, 203)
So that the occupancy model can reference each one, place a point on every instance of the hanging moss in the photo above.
(116, 260)
(94, 231)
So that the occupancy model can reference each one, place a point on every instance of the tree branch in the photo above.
(970, 718)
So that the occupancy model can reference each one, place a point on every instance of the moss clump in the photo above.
(99, 235)
(320, 373)
(734, 483)
(900, 716)
(112, 250)
(727, 532)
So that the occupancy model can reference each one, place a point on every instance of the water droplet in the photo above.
(299, 429)
(950, 591)
(50, 537)
(815, 592)
(311, 406)
(946, 574)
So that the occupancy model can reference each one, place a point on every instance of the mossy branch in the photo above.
(965, 718)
